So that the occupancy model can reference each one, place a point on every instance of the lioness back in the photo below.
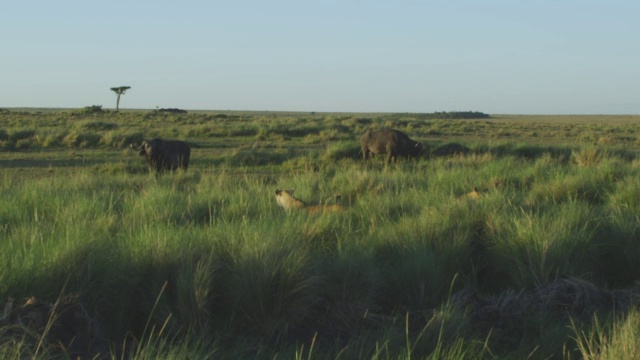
(314, 209)
(287, 201)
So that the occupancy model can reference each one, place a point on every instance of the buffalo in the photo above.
(165, 154)
(392, 142)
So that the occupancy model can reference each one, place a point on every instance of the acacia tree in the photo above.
(120, 90)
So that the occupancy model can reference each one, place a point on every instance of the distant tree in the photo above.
(120, 90)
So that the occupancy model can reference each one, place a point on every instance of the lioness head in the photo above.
(286, 200)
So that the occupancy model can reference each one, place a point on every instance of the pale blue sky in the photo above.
(498, 57)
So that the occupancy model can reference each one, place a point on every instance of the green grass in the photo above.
(204, 263)
(614, 339)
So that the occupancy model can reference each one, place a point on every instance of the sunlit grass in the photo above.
(204, 263)
(618, 339)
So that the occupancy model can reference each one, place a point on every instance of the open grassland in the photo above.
(540, 262)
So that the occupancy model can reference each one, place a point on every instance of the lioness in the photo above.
(287, 201)
(474, 194)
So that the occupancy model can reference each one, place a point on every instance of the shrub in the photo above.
(273, 289)
(120, 139)
(342, 150)
(93, 109)
(243, 130)
(250, 157)
(90, 125)
(24, 144)
(51, 139)
(21, 134)
(450, 149)
(81, 140)
(173, 110)
(588, 156)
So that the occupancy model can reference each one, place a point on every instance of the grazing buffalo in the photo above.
(165, 154)
(388, 141)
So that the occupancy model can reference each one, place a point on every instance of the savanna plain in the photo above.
(102, 258)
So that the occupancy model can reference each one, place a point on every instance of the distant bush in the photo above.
(120, 139)
(173, 110)
(242, 130)
(7, 145)
(93, 109)
(90, 125)
(296, 130)
(362, 121)
(342, 150)
(24, 144)
(21, 134)
(112, 168)
(450, 149)
(4, 135)
(50, 139)
(201, 131)
(246, 157)
(324, 136)
(445, 115)
(81, 140)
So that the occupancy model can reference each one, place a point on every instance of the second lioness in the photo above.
(287, 201)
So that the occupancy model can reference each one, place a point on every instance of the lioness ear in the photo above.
(278, 191)
(290, 191)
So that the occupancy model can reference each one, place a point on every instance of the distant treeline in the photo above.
(173, 110)
(93, 109)
(443, 115)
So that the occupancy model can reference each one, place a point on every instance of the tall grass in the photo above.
(618, 339)
(204, 263)
(533, 247)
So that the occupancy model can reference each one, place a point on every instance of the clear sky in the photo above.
(494, 56)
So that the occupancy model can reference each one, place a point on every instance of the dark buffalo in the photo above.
(394, 143)
(165, 154)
